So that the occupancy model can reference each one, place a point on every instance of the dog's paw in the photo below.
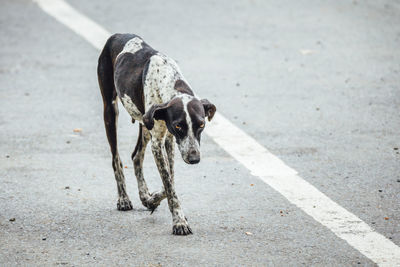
(153, 206)
(181, 228)
(154, 201)
(124, 204)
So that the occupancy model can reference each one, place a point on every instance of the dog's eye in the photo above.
(202, 125)
(178, 127)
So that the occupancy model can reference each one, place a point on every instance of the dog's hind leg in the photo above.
(153, 200)
(106, 83)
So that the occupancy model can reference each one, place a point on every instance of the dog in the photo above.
(154, 92)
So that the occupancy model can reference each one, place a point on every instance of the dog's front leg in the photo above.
(180, 224)
(150, 201)
(170, 148)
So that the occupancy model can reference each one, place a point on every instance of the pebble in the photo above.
(12, 220)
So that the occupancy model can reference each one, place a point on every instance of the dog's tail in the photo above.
(105, 74)
(139, 142)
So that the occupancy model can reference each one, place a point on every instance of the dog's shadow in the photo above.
(141, 210)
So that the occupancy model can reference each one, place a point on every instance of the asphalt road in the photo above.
(317, 83)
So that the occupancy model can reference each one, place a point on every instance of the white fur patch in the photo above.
(131, 108)
(162, 74)
(190, 140)
(132, 46)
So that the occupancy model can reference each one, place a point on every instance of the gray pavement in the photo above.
(315, 82)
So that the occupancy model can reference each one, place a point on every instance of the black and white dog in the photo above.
(153, 90)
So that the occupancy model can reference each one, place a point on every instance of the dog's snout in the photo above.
(194, 156)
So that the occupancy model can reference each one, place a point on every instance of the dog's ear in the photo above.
(156, 112)
(209, 108)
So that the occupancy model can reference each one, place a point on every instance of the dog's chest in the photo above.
(160, 79)
(140, 67)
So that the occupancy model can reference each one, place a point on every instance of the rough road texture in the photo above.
(316, 83)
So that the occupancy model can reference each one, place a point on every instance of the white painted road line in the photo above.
(79, 23)
(260, 161)
(285, 180)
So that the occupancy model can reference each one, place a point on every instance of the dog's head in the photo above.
(184, 116)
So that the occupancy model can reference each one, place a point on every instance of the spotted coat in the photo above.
(154, 92)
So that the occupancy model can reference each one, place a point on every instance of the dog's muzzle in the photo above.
(193, 156)
(190, 150)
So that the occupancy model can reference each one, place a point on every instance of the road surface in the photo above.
(317, 84)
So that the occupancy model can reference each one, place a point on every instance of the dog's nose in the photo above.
(194, 156)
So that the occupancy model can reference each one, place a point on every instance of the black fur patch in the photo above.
(130, 73)
(182, 87)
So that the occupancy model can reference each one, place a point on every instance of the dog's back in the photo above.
(125, 60)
